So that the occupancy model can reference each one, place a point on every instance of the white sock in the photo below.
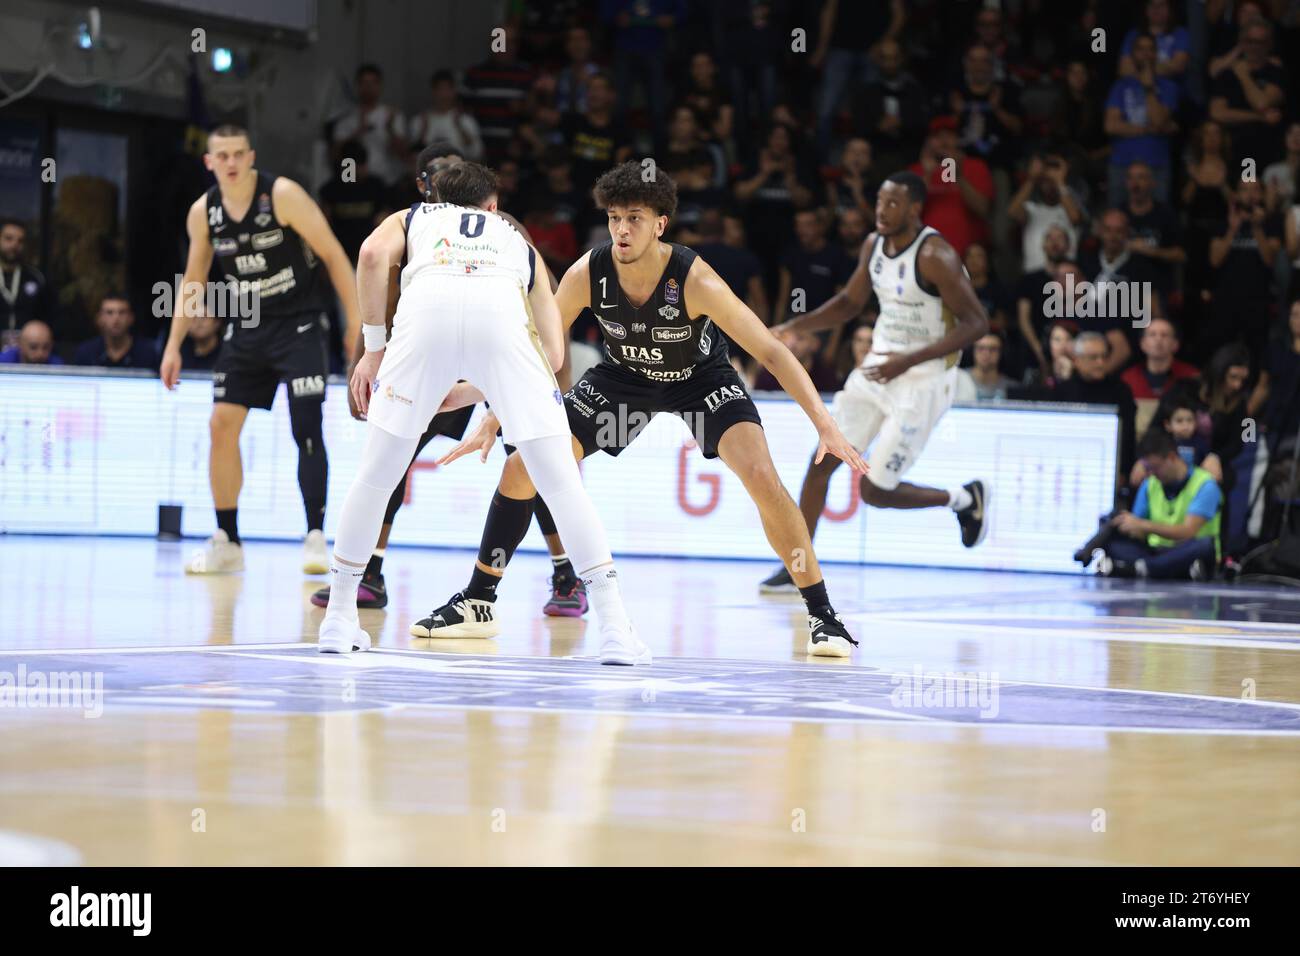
(344, 579)
(605, 597)
(959, 498)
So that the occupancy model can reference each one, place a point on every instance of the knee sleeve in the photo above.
(313, 468)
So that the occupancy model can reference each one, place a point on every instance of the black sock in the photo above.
(228, 521)
(814, 595)
(315, 508)
(482, 586)
(564, 568)
(375, 566)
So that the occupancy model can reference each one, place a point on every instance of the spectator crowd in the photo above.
(1071, 151)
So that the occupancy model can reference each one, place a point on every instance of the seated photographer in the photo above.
(1173, 529)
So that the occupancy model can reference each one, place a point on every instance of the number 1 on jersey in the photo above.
(471, 224)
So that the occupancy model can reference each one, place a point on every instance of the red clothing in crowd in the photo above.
(1136, 379)
(944, 209)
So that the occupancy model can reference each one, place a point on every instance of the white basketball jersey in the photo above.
(910, 317)
(444, 240)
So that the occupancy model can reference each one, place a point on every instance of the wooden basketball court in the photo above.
(987, 719)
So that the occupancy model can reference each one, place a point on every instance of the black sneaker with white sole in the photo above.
(827, 635)
(459, 617)
(778, 583)
(974, 518)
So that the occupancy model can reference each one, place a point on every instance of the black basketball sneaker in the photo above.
(459, 617)
(371, 593)
(779, 583)
(974, 518)
(827, 635)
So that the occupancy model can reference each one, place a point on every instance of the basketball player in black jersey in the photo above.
(267, 235)
(568, 595)
(662, 310)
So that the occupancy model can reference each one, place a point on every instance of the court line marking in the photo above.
(896, 719)
(160, 649)
(1284, 627)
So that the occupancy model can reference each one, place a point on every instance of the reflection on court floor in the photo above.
(986, 719)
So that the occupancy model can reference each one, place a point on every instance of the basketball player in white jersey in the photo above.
(471, 290)
(928, 313)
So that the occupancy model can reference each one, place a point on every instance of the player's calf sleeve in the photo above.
(507, 523)
(383, 464)
(555, 476)
(313, 467)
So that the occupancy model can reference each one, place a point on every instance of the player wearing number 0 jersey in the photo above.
(471, 289)
(928, 313)
(663, 312)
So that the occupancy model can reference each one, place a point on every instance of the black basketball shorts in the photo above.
(254, 361)
(609, 406)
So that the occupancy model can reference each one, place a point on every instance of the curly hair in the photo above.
(627, 185)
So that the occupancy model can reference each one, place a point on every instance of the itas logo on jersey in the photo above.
(661, 334)
(636, 353)
(255, 262)
(672, 292)
(719, 397)
(615, 329)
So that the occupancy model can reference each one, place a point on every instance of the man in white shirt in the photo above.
(380, 127)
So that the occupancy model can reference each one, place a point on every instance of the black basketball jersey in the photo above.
(261, 255)
(658, 341)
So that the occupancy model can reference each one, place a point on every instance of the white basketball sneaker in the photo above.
(315, 553)
(219, 556)
(340, 635)
(459, 617)
(623, 647)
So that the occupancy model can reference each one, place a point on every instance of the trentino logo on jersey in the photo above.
(612, 328)
(661, 334)
(671, 291)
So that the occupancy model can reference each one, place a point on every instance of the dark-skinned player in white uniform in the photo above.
(928, 313)
(662, 310)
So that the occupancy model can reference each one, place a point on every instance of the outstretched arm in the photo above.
(297, 210)
(710, 296)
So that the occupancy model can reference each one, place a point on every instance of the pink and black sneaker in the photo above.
(568, 598)
(371, 593)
